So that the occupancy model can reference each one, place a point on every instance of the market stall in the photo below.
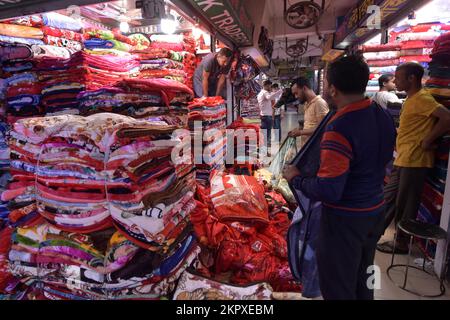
(93, 203)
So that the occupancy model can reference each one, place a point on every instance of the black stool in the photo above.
(424, 231)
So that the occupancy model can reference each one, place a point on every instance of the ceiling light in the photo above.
(169, 24)
(124, 27)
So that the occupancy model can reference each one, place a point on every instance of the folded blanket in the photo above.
(90, 33)
(141, 42)
(108, 35)
(113, 52)
(381, 47)
(430, 35)
(389, 69)
(153, 54)
(161, 73)
(48, 51)
(416, 44)
(438, 82)
(25, 99)
(61, 42)
(167, 46)
(61, 33)
(30, 21)
(12, 30)
(15, 52)
(13, 67)
(383, 63)
(445, 93)
(415, 59)
(382, 55)
(106, 44)
(56, 20)
(416, 52)
(28, 41)
(161, 63)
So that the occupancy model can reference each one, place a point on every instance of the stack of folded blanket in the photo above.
(157, 99)
(439, 86)
(44, 31)
(439, 82)
(165, 57)
(100, 208)
(207, 122)
(65, 79)
(106, 41)
(244, 143)
(57, 265)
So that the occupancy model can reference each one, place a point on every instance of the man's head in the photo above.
(275, 86)
(300, 87)
(347, 76)
(267, 85)
(386, 81)
(408, 75)
(224, 56)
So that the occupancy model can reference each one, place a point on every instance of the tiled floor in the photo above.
(388, 290)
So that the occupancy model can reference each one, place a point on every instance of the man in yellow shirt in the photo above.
(422, 121)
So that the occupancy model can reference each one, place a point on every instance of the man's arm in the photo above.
(205, 83)
(335, 156)
(440, 128)
(269, 96)
(220, 84)
(305, 132)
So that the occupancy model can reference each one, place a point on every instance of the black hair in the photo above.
(226, 52)
(349, 75)
(267, 83)
(302, 82)
(385, 78)
(412, 69)
(275, 85)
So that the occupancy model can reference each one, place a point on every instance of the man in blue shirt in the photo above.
(355, 148)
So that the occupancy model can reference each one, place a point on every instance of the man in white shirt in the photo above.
(265, 98)
(386, 98)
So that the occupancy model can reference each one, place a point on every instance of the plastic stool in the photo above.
(424, 231)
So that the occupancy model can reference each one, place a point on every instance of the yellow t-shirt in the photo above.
(416, 123)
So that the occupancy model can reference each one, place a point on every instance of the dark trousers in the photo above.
(403, 194)
(266, 123)
(277, 125)
(346, 250)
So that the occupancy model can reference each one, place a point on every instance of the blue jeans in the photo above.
(277, 125)
(266, 123)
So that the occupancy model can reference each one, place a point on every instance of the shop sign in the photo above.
(329, 52)
(365, 18)
(230, 18)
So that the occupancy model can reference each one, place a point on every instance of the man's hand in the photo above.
(428, 145)
(289, 172)
(295, 133)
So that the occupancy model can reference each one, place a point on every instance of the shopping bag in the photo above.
(304, 230)
(302, 240)
(285, 154)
